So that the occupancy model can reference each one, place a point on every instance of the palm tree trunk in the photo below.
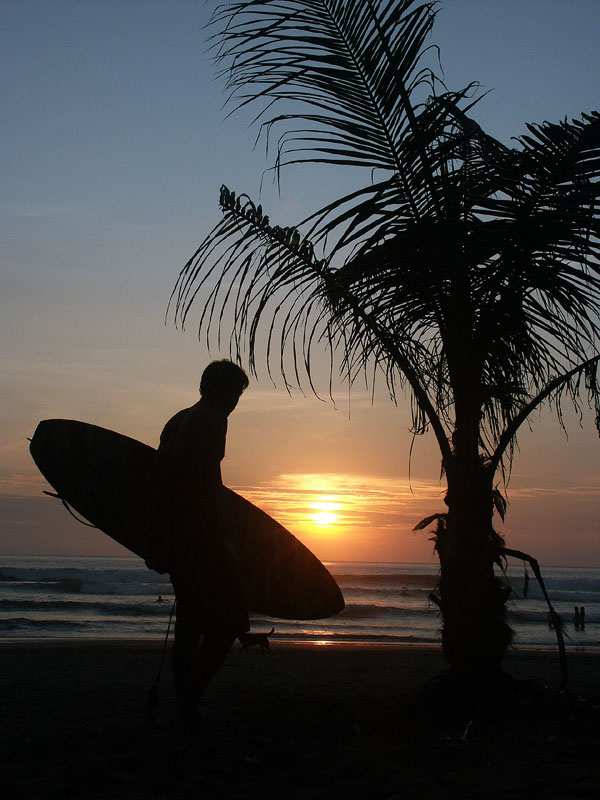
(472, 599)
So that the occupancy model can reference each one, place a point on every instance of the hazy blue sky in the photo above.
(114, 146)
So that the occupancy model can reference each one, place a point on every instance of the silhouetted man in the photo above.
(211, 610)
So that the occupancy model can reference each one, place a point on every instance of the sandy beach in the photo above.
(304, 721)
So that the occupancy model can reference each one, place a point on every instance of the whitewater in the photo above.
(119, 598)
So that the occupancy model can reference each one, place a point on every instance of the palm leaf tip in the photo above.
(426, 522)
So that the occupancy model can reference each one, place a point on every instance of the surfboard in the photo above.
(111, 480)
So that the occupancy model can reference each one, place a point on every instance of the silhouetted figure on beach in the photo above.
(526, 584)
(576, 619)
(210, 607)
(582, 618)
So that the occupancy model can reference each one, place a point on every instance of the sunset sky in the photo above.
(114, 146)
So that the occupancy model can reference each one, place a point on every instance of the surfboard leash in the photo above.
(70, 510)
(152, 701)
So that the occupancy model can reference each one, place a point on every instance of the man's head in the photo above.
(222, 384)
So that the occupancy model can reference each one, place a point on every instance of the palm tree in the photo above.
(464, 270)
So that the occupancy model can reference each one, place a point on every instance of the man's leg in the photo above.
(212, 653)
(210, 613)
(188, 638)
(196, 658)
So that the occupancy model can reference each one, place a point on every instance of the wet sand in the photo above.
(304, 721)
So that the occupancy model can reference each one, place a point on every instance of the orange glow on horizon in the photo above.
(342, 517)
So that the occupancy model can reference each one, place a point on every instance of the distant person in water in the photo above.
(196, 551)
(576, 619)
(582, 618)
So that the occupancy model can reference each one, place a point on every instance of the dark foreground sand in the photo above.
(302, 722)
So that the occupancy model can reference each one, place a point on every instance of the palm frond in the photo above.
(351, 70)
(464, 268)
(264, 285)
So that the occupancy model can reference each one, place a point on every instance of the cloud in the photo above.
(534, 492)
(360, 501)
(22, 485)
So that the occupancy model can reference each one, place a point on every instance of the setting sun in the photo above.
(324, 512)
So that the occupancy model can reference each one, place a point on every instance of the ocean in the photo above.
(119, 598)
